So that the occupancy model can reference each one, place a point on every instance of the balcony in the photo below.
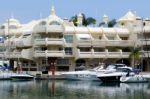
(105, 54)
(54, 29)
(24, 54)
(103, 43)
(47, 53)
(39, 29)
(2, 31)
(24, 42)
(145, 53)
(145, 41)
(49, 41)
(146, 29)
(121, 43)
(84, 43)
(99, 54)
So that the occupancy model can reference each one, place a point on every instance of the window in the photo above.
(43, 23)
(63, 61)
(54, 23)
(68, 51)
(68, 38)
(124, 38)
(1, 40)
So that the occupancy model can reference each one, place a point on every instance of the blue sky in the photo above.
(27, 10)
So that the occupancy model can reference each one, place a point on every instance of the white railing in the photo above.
(54, 28)
(55, 41)
(49, 53)
(39, 29)
(145, 41)
(105, 54)
(49, 41)
(102, 43)
(40, 41)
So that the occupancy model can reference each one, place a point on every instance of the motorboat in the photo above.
(21, 76)
(90, 74)
(133, 79)
(146, 76)
(116, 75)
(5, 75)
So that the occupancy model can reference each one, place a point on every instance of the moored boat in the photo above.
(91, 74)
(116, 75)
(22, 77)
(133, 79)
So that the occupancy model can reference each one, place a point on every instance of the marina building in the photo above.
(52, 41)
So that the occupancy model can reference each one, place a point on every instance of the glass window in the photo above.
(68, 51)
(63, 61)
(54, 23)
(68, 38)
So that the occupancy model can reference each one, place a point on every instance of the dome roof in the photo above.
(13, 21)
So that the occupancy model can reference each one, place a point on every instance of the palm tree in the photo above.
(134, 56)
(86, 21)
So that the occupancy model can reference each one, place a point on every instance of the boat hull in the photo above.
(80, 77)
(110, 79)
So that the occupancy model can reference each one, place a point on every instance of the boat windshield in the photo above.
(111, 67)
(125, 69)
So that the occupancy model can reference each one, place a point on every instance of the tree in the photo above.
(91, 21)
(85, 21)
(74, 20)
(134, 56)
(112, 23)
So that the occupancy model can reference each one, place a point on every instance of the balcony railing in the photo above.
(145, 41)
(102, 43)
(54, 29)
(40, 29)
(48, 53)
(49, 41)
(24, 54)
(105, 54)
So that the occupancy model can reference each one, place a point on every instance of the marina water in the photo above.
(62, 89)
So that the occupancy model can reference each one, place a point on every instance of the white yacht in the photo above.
(124, 75)
(91, 74)
(21, 76)
(115, 76)
(5, 75)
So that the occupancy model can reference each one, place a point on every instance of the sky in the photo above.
(27, 10)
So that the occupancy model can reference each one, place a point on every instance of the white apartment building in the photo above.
(35, 44)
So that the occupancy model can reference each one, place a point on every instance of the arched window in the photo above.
(54, 23)
(43, 23)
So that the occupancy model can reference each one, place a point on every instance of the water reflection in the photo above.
(73, 90)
